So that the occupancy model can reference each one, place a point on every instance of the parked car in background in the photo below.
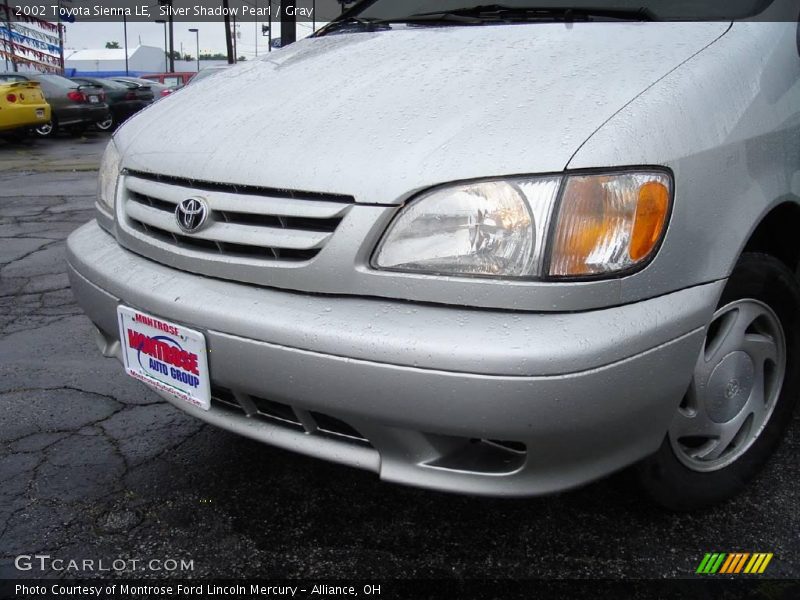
(173, 81)
(74, 108)
(22, 106)
(122, 101)
(158, 90)
(532, 244)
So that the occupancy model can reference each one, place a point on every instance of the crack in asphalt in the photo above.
(43, 247)
(45, 322)
(30, 303)
(44, 453)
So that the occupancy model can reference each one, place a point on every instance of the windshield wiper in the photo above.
(492, 13)
(365, 24)
(502, 12)
(358, 23)
(451, 17)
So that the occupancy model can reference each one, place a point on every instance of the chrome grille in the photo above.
(274, 225)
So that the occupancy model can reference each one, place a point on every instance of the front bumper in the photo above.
(430, 389)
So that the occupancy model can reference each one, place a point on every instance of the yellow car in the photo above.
(22, 105)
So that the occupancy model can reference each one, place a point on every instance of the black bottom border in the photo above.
(418, 589)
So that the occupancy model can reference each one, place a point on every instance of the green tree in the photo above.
(112, 45)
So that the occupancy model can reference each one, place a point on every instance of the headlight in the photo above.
(603, 224)
(494, 228)
(107, 178)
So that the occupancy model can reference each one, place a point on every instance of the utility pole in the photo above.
(228, 41)
(288, 25)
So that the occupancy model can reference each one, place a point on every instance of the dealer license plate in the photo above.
(170, 357)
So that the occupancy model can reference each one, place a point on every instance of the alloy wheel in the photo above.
(105, 124)
(45, 129)
(736, 384)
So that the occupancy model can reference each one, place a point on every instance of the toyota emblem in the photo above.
(191, 214)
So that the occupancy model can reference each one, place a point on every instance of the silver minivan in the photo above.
(500, 250)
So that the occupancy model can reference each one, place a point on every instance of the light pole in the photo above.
(235, 49)
(196, 33)
(171, 43)
(125, 30)
(164, 23)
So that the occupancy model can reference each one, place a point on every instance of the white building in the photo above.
(111, 61)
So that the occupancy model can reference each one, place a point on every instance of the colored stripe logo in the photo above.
(734, 563)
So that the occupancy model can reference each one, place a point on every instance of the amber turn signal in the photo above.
(609, 223)
(651, 215)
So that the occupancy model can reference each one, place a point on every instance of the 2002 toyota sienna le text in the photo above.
(493, 250)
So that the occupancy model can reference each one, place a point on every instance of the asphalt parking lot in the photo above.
(95, 466)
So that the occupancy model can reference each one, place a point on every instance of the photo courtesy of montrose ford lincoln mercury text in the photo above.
(501, 250)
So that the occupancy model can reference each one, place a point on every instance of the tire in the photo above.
(47, 130)
(106, 125)
(743, 392)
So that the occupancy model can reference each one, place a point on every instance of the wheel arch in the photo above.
(778, 233)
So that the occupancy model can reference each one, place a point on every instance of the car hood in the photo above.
(380, 115)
